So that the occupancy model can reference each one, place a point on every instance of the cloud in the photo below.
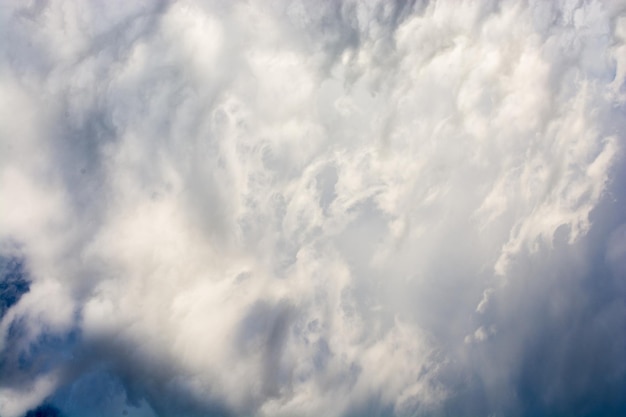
(407, 208)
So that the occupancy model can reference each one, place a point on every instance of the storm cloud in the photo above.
(294, 208)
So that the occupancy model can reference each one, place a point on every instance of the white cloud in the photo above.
(284, 210)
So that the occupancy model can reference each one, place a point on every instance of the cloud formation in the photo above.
(345, 208)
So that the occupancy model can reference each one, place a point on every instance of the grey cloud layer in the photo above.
(290, 208)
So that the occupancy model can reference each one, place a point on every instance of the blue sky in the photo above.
(293, 208)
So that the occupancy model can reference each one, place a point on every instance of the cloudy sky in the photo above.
(312, 209)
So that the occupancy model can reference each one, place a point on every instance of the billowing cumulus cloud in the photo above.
(302, 209)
